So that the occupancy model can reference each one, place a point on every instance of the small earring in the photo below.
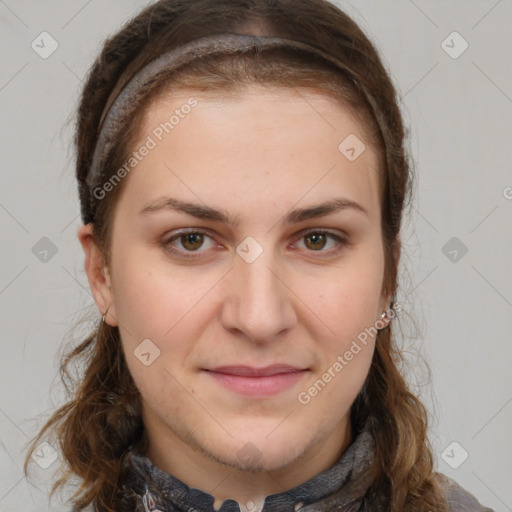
(104, 315)
(381, 321)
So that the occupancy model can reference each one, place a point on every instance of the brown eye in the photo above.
(322, 242)
(186, 243)
(192, 241)
(315, 241)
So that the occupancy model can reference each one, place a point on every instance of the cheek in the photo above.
(169, 308)
(349, 305)
(348, 308)
(150, 299)
(348, 302)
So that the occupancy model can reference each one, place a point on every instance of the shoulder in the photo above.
(459, 500)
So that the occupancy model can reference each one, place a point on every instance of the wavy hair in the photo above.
(101, 420)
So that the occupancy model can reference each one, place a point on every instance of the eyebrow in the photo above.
(295, 216)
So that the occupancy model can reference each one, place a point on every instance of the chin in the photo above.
(258, 453)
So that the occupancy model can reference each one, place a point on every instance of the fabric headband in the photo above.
(118, 109)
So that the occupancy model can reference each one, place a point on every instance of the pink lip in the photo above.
(250, 381)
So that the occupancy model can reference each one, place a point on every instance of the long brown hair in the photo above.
(102, 420)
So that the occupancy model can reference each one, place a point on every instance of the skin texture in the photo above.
(302, 301)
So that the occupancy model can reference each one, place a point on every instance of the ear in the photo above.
(97, 274)
(397, 250)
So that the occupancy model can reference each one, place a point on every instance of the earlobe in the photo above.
(97, 274)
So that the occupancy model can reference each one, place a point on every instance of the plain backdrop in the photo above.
(456, 268)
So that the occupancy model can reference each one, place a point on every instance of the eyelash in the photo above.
(166, 242)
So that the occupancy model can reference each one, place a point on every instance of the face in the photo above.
(246, 273)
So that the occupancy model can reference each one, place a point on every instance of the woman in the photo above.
(242, 179)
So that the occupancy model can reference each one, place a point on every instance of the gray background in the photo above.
(459, 112)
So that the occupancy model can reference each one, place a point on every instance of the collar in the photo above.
(157, 491)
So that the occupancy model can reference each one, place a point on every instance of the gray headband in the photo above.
(118, 110)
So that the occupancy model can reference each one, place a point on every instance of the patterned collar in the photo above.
(340, 487)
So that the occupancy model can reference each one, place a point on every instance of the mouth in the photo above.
(254, 382)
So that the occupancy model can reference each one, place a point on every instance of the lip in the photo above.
(251, 371)
(251, 381)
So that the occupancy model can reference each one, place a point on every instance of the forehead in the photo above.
(259, 145)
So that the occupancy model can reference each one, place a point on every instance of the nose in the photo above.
(258, 302)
